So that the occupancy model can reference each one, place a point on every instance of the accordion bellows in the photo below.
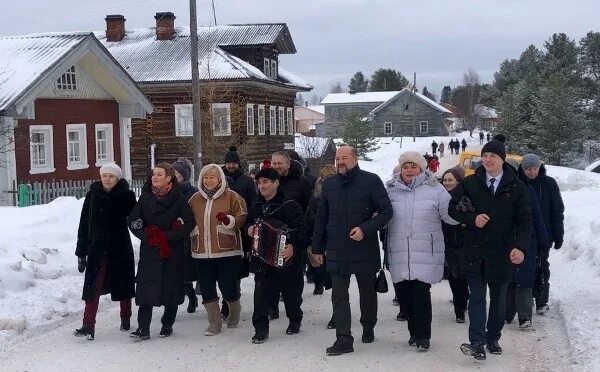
(270, 237)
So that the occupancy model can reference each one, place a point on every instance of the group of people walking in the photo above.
(493, 229)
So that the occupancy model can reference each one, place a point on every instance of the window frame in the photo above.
(289, 118)
(178, 127)
(272, 120)
(110, 150)
(250, 119)
(281, 120)
(261, 120)
(48, 131)
(69, 80)
(213, 117)
(385, 129)
(83, 162)
(267, 67)
(274, 71)
(421, 126)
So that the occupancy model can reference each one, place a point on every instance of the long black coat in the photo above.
(103, 233)
(160, 281)
(510, 224)
(525, 271)
(551, 203)
(295, 186)
(287, 211)
(357, 199)
(453, 241)
(190, 273)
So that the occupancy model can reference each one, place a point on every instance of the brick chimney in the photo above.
(115, 27)
(165, 25)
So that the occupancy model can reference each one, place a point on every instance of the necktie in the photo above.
(491, 188)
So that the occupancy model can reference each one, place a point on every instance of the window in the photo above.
(267, 69)
(41, 149)
(250, 119)
(274, 69)
(290, 121)
(387, 128)
(221, 117)
(335, 113)
(104, 144)
(272, 120)
(281, 120)
(261, 120)
(76, 147)
(184, 120)
(424, 127)
(68, 80)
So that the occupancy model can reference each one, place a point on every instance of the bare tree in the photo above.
(7, 127)
(312, 149)
(336, 88)
(466, 98)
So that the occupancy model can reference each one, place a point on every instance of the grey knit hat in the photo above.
(531, 161)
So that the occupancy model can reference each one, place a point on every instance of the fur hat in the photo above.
(182, 166)
(413, 157)
(495, 147)
(113, 169)
(267, 172)
(531, 161)
(232, 155)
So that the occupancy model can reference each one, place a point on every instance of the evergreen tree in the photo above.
(589, 60)
(358, 83)
(428, 94)
(446, 92)
(561, 58)
(387, 79)
(358, 133)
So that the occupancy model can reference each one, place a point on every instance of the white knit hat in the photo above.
(413, 157)
(112, 168)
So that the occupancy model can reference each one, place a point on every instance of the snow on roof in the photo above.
(310, 147)
(365, 97)
(23, 59)
(318, 108)
(150, 60)
(485, 112)
(423, 98)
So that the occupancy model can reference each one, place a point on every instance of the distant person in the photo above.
(434, 164)
(434, 147)
(481, 137)
(463, 145)
(488, 136)
(441, 149)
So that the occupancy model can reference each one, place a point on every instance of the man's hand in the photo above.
(318, 258)
(516, 256)
(251, 231)
(81, 264)
(558, 242)
(481, 220)
(288, 252)
(356, 234)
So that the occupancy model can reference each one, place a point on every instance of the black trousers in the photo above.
(225, 271)
(145, 316)
(541, 291)
(460, 294)
(418, 301)
(290, 281)
(401, 290)
(340, 299)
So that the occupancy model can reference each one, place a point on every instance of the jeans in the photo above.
(519, 300)
(340, 299)
(477, 314)
(225, 271)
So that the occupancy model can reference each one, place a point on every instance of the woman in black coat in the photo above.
(104, 247)
(161, 219)
(183, 173)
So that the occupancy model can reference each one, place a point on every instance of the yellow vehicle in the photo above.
(470, 160)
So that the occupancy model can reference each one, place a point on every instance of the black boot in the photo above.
(140, 334)
(475, 350)
(423, 345)
(85, 331)
(318, 289)
(293, 328)
(165, 331)
(494, 348)
(331, 324)
(125, 325)
(368, 336)
(260, 337)
(192, 298)
(273, 313)
(339, 347)
(401, 317)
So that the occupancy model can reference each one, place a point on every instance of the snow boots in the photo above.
(125, 325)
(339, 347)
(193, 299)
(85, 331)
(475, 350)
(140, 334)
(214, 318)
(233, 319)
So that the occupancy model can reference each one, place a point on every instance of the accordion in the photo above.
(270, 236)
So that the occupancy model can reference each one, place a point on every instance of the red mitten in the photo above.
(222, 217)
(152, 230)
(177, 224)
(163, 244)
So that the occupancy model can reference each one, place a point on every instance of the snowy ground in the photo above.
(40, 304)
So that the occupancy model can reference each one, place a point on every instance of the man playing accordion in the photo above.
(270, 217)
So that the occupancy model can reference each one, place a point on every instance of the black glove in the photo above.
(81, 264)
(558, 243)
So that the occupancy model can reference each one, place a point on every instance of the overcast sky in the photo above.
(436, 39)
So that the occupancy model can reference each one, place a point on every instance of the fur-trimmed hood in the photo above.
(224, 186)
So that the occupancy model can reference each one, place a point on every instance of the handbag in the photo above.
(381, 284)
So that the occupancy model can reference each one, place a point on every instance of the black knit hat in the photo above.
(182, 166)
(232, 155)
(268, 173)
(496, 147)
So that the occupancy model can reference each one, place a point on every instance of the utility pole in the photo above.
(414, 107)
(197, 130)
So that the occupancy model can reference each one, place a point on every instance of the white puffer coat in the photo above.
(415, 242)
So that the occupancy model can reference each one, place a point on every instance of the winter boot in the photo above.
(234, 314)
(260, 337)
(412, 341)
(140, 334)
(423, 345)
(273, 313)
(494, 348)
(192, 302)
(293, 328)
(318, 289)
(460, 318)
(85, 331)
(475, 350)
(542, 310)
(339, 347)
(125, 325)
(525, 325)
(165, 331)
(401, 317)
(368, 336)
(331, 324)
(214, 318)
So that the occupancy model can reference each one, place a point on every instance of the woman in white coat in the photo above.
(415, 243)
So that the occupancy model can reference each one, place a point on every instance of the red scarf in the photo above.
(161, 193)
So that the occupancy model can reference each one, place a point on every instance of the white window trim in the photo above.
(274, 69)
(83, 164)
(49, 167)
(261, 120)
(250, 119)
(178, 132)
(421, 126)
(281, 120)
(385, 131)
(267, 67)
(110, 150)
(228, 107)
(290, 120)
(272, 120)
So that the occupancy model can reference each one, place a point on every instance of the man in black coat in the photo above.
(434, 147)
(273, 204)
(354, 206)
(533, 172)
(494, 206)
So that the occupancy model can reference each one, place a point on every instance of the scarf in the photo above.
(161, 193)
(210, 193)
